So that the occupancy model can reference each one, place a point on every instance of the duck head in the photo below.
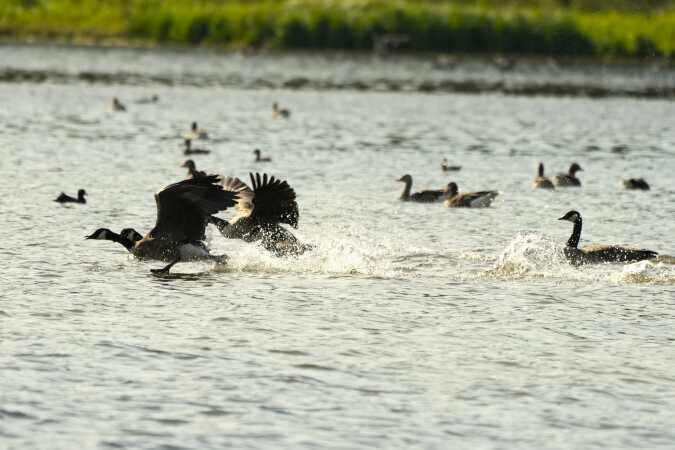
(405, 179)
(574, 168)
(571, 216)
(101, 233)
(190, 164)
(81, 193)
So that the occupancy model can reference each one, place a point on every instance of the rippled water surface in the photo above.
(408, 326)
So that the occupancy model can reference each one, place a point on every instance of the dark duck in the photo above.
(445, 167)
(262, 208)
(183, 210)
(192, 169)
(65, 198)
(570, 178)
(428, 196)
(636, 184)
(259, 158)
(596, 254)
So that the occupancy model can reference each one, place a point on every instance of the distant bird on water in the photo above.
(117, 105)
(570, 178)
(192, 169)
(446, 168)
(259, 158)
(65, 198)
(636, 184)
(540, 181)
(428, 196)
(480, 199)
(196, 132)
(280, 112)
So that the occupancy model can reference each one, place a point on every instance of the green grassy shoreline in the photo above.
(438, 26)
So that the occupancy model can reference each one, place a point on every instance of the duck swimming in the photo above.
(540, 181)
(183, 210)
(262, 209)
(595, 254)
(481, 199)
(570, 178)
(117, 105)
(280, 112)
(636, 184)
(196, 132)
(258, 158)
(446, 168)
(65, 198)
(192, 169)
(147, 100)
(422, 196)
(193, 151)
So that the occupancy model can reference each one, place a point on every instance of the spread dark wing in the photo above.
(273, 201)
(184, 207)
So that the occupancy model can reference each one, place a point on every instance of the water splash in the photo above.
(529, 254)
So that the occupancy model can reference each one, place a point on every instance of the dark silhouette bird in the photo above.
(196, 132)
(636, 184)
(261, 209)
(65, 198)
(259, 158)
(117, 105)
(570, 178)
(188, 150)
(595, 254)
(183, 210)
(447, 168)
(428, 196)
(192, 169)
(540, 181)
(280, 112)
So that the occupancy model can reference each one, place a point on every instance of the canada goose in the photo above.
(570, 178)
(192, 169)
(196, 132)
(262, 208)
(540, 181)
(65, 198)
(117, 105)
(636, 184)
(194, 151)
(258, 158)
(594, 254)
(446, 168)
(280, 112)
(423, 196)
(183, 209)
(481, 199)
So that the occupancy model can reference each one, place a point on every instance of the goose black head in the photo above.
(405, 179)
(81, 193)
(541, 169)
(131, 235)
(452, 189)
(256, 151)
(574, 168)
(190, 164)
(571, 216)
(194, 127)
(101, 233)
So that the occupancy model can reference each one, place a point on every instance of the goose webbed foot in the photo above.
(164, 269)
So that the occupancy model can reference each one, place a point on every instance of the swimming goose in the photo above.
(280, 112)
(192, 169)
(65, 198)
(595, 254)
(117, 105)
(423, 196)
(481, 199)
(258, 158)
(262, 209)
(569, 179)
(183, 210)
(540, 181)
(196, 132)
(194, 151)
(636, 184)
(446, 168)
(147, 100)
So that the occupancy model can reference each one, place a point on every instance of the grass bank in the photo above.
(530, 27)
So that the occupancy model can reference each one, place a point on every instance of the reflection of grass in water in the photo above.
(537, 28)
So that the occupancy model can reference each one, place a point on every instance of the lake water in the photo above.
(409, 325)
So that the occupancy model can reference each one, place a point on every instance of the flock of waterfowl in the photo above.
(185, 208)
(593, 254)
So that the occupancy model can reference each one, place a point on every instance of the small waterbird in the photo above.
(65, 198)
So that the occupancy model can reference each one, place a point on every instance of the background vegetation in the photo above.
(544, 27)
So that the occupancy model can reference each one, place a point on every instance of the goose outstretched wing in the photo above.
(273, 200)
(184, 207)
